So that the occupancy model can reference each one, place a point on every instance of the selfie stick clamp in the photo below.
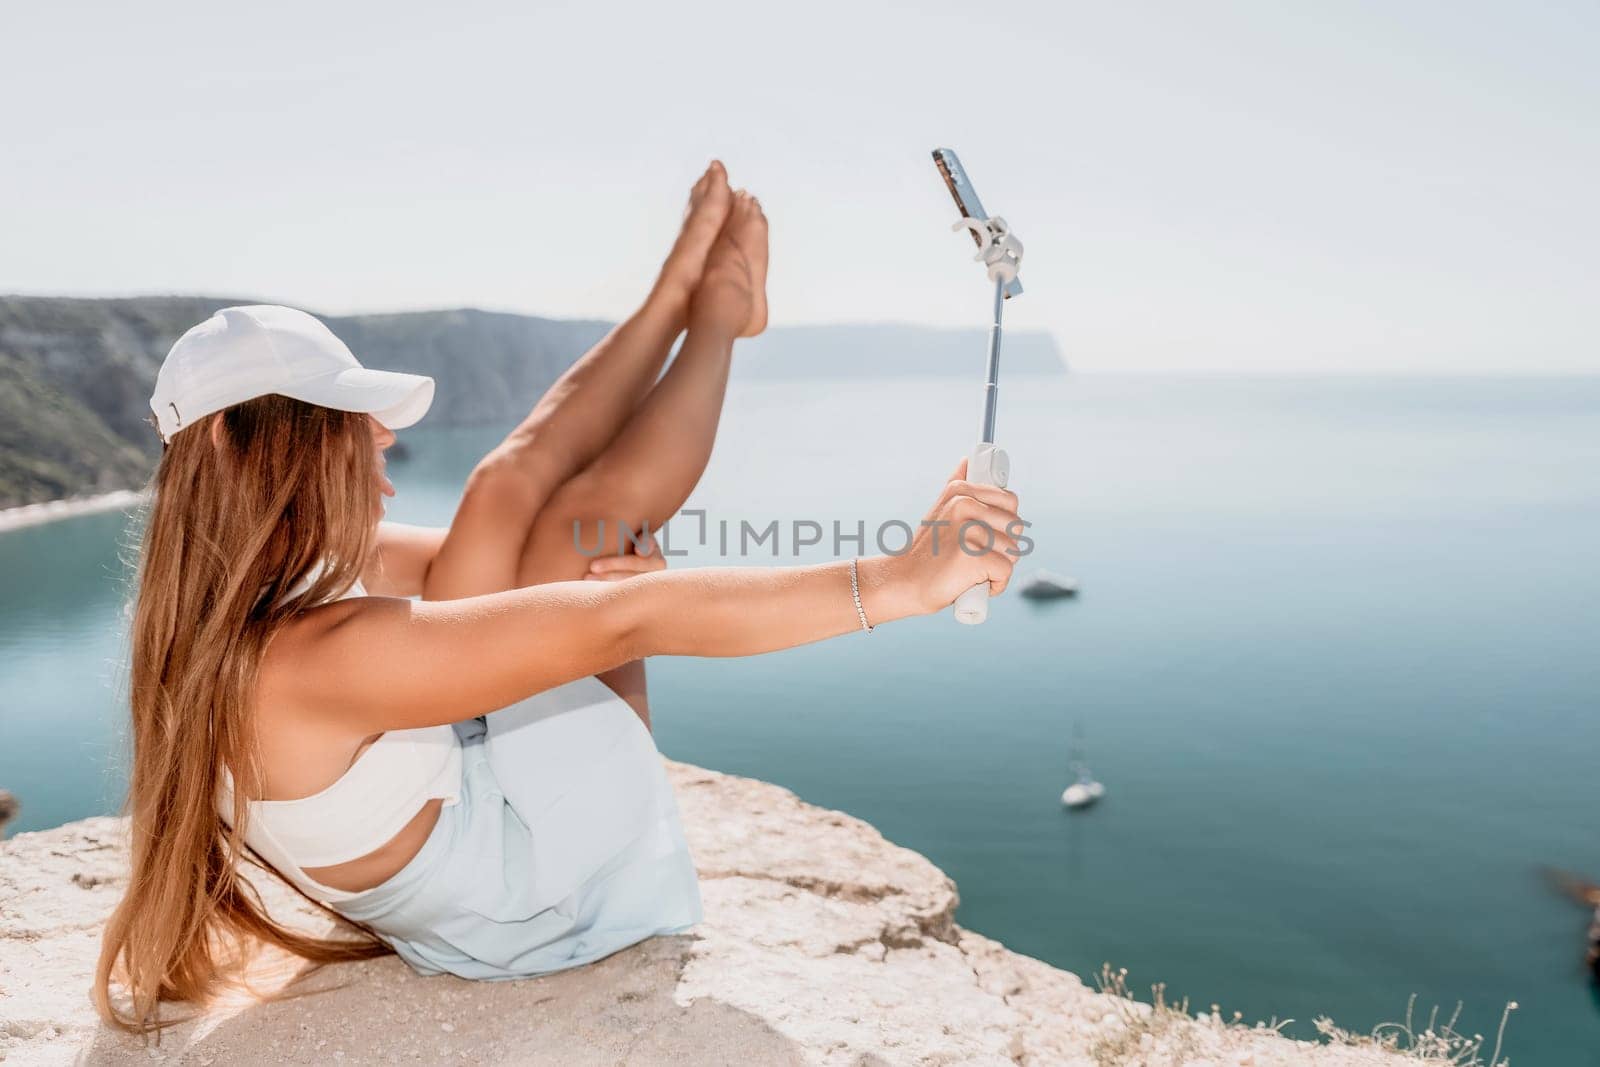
(998, 248)
(1000, 252)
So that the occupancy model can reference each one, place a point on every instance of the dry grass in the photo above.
(1170, 1031)
(1435, 1043)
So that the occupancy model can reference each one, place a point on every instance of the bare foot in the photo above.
(732, 295)
(754, 241)
(709, 202)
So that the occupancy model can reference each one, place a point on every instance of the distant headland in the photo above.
(76, 373)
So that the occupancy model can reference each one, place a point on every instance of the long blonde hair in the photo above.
(240, 513)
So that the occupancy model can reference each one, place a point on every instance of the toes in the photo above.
(748, 204)
(717, 192)
(747, 207)
(750, 213)
(715, 175)
(703, 219)
(756, 223)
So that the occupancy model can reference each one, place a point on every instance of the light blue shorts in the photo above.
(563, 847)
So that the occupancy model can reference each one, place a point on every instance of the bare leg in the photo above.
(641, 480)
(576, 418)
(653, 464)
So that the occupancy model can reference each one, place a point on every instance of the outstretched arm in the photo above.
(388, 664)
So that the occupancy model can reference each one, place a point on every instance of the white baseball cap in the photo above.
(241, 353)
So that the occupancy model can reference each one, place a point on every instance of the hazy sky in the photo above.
(1386, 186)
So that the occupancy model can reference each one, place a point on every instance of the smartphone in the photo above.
(966, 198)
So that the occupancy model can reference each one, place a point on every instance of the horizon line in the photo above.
(1071, 365)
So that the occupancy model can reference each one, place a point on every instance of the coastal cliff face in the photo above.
(822, 943)
(76, 374)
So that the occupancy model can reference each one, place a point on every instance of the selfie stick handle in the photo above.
(988, 464)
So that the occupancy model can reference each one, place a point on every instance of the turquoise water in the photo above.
(1336, 660)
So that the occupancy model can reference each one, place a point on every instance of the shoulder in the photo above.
(310, 655)
(305, 709)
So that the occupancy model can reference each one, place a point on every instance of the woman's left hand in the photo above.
(618, 568)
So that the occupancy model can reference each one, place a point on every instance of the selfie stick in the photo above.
(1000, 252)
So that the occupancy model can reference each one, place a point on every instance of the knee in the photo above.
(513, 475)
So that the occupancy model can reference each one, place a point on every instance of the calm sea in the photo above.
(1337, 659)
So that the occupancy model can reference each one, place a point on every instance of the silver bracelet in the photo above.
(855, 594)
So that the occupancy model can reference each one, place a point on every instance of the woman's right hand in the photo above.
(969, 536)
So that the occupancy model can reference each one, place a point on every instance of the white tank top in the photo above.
(361, 811)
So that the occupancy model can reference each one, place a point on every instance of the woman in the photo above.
(447, 774)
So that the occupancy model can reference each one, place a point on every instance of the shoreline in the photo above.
(24, 515)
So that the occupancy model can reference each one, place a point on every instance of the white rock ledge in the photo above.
(822, 943)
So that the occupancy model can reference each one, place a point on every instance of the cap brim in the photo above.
(395, 399)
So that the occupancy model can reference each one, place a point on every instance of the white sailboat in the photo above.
(1084, 791)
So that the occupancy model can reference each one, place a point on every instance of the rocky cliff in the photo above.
(822, 944)
(75, 374)
(75, 378)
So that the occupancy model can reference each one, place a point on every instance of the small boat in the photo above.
(1084, 792)
(1043, 585)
